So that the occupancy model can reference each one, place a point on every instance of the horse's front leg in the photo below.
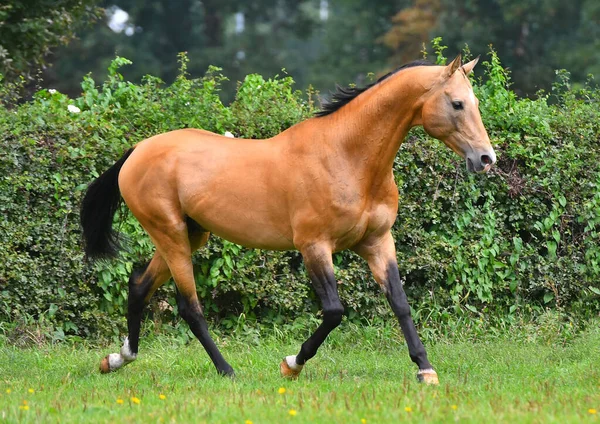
(318, 262)
(380, 253)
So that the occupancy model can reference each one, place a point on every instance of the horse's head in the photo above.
(450, 113)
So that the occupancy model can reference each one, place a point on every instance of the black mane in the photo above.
(344, 95)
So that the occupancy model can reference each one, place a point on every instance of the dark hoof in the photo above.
(227, 372)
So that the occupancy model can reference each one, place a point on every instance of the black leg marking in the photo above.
(324, 283)
(399, 303)
(192, 313)
(135, 304)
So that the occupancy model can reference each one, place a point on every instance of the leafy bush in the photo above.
(520, 240)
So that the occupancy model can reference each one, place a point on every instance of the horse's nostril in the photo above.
(486, 160)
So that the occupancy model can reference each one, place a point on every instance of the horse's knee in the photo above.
(333, 317)
(399, 304)
(402, 310)
(189, 310)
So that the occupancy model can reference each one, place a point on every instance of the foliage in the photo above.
(326, 42)
(241, 37)
(29, 29)
(412, 25)
(532, 37)
(515, 242)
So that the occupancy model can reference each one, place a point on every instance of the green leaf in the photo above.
(548, 297)
(551, 245)
(471, 308)
(594, 290)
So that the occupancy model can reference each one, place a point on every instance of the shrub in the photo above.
(522, 239)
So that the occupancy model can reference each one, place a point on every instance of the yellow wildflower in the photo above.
(162, 397)
(455, 407)
(248, 422)
(292, 412)
(135, 400)
(408, 409)
(8, 391)
(24, 407)
(120, 401)
(363, 421)
(31, 391)
(592, 411)
(281, 390)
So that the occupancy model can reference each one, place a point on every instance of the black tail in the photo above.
(98, 208)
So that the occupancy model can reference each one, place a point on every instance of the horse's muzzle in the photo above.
(481, 162)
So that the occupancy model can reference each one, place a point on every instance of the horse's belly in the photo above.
(256, 237)
(252, 224)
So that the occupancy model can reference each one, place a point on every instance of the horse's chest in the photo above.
(378, 218)
(344, 214)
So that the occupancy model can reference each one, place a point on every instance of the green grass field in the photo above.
(360, 375)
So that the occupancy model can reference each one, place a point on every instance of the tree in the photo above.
(412, 26)
(533, 37)
(29, 29)
(318, 42)
(159, 30)
(347, 47)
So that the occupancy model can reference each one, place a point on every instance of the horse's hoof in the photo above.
(428, 377)
(105, 365)
(229, 372)
(287, 372)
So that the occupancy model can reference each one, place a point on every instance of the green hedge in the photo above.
(523, 238)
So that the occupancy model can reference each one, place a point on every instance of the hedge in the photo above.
(522, 238)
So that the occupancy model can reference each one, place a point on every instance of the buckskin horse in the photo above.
(323, 185)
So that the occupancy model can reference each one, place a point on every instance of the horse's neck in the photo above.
(371, 128)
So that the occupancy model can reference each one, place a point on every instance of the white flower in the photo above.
(228, 134)
(51, 91)
(73, 109)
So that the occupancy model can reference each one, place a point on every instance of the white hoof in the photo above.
(114, 361)
(428, 376)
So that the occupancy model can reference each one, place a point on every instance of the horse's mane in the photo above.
(344, 95)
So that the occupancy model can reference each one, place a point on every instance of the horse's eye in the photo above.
(457, 105)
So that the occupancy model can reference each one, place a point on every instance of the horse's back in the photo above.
(231, 187)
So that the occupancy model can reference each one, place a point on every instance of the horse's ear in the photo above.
(451, 69)
(468, 67)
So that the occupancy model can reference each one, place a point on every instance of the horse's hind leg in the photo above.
(173, 243)
(142, 285)
(320, 269)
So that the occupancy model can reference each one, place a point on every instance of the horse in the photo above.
(321, 186)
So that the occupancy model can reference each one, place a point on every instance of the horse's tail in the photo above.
(100, 203)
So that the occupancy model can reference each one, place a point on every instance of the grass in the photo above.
(359, 374)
